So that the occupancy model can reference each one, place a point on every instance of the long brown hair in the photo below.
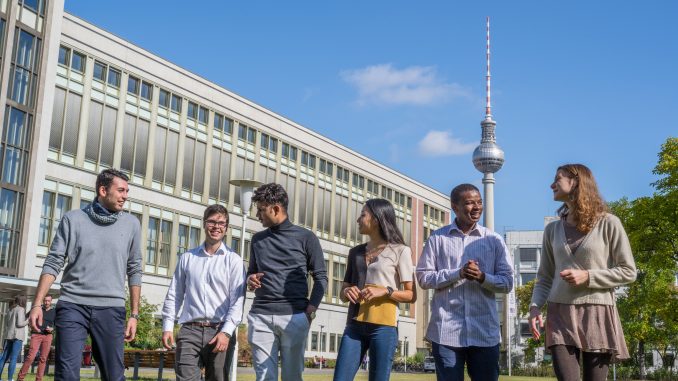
(587, 205)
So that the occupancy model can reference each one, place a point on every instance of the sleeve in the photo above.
(252, 267)
(134, 260)
(428, 274)
(236, 295)
(21, 318)
(501, 282)
(348, 275)
(405, 266)
(56, 258)
(623, 268)
(175, 297)
(546, 270)
(316, 265)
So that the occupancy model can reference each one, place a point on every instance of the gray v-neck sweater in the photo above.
(605, 252)
(97, 258)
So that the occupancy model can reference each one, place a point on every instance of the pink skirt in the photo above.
(589, 327)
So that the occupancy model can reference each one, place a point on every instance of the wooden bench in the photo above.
(148, 359)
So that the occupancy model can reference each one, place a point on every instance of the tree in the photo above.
(149, 329)
(649, 308)
(524, 297)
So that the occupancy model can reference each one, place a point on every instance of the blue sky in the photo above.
(403, 82)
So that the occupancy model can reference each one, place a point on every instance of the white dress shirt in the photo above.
(209, 287)
(464, 312)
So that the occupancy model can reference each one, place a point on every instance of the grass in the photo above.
(151, 375)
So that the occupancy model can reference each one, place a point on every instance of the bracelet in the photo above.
(37, 305)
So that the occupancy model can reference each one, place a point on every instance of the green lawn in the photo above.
(311, 375)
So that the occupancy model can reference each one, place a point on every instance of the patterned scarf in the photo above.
(99, 214)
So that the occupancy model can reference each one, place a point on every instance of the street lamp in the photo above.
(405, 352)
(247, 187)
(321, 345)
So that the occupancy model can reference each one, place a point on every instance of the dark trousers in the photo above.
(193, 350)
(106, 327)
(482, 362)
(230, 352)
(566, 363)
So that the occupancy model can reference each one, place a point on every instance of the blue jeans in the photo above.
(10, 352)
(106, 326)
(380, 340)
(482, 362)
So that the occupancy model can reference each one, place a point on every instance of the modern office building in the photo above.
(79, 99)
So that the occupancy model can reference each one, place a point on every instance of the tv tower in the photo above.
(488, 158)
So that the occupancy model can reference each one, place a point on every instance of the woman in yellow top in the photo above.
(374, 274)
(585, 255)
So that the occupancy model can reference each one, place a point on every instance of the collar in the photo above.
(220, 251)
(282, 226)
(477, 230)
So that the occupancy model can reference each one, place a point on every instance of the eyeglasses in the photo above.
(213, 223)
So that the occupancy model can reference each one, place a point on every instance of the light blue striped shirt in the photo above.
(464, 312)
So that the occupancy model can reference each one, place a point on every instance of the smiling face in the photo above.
(216, 226)
(469, 208)
(367, 223)
(47, 302)
(563, 186)
(114, 197)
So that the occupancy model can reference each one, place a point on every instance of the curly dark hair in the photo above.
(271, 194)
(105, 178)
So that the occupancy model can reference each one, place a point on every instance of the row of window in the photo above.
(164, 163)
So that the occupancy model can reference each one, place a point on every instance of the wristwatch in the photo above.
(390, 291)
(134, 316)
(311, 316)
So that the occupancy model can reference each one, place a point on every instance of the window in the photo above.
(11, 204)
(158, 246)
(338, 272)
(133, 85)
(189, 238)
(64, 55)
(54, 206)
(333, 344)
(314, 341)
(308, 160)
(194, 158)
(37, 6)
(326, 167)
(164, 98)
(134, 145)
(247, 134)
(306, 208)
(356, 208)
(99, 72)
(358, 182)
(323, 210)
(192, 111)
(114, 77)
(176, 103)
(527, 277)
(203, 115)
(289, 152)
(24, 74)
(78, 62)
(165, 156)
(63, 136)
(528, 257)
(244, 169)
(223, 124)
(269, 143)
(100, 134)
(146, 91)
(220, 174)
(15, 146)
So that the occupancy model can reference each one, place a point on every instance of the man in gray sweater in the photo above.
(100, 247)
(281, 258)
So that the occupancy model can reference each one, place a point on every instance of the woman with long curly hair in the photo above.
(585, 255)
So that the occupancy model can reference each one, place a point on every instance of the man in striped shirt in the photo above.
(466, 264)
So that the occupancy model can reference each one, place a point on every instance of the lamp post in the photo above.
(320, 345)
(405, 352)
(247, 187)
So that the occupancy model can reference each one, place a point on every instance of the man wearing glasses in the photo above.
(209, 283)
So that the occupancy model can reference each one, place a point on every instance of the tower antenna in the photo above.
(488, 76)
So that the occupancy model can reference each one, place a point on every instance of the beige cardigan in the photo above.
(605, 252)
(15, 324)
